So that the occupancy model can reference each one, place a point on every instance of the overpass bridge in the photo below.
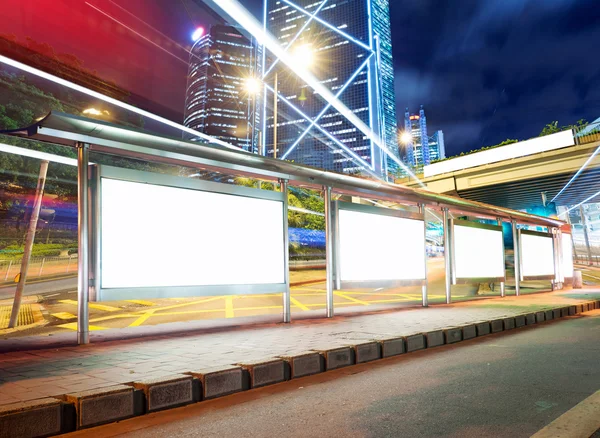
(516, 175)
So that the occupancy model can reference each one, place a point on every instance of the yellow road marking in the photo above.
(229, 307)
(109, 317)
(340, 294)
(38, 316)
(73, 326)
(141, 302)
(191, 303)
(142, 319)
(63, 315)
(93, 306)
(295, 302)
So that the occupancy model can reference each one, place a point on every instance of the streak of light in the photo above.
(112, 101)
(581, 203)
(581, 169)
(137, 33)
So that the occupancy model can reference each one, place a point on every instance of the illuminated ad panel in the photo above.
(537, 255)
(567, 255)
(379, 247)
(478, 252)
(159, 236)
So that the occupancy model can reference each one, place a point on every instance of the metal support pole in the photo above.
(41, 267)
(287, 309)
(447, 255)
(502, 283)
(8, 270)
(517, 257)
(328, 250)
(33, 220)
(585, 235)
(275, 102)
(424, 287)
(336, 247)
(83, 266)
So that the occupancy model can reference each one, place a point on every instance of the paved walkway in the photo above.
(36, 373)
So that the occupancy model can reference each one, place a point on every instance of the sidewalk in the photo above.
(55, 372)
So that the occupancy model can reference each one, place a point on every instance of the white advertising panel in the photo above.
(537, 255)
(155, 236)
(376, 247)
(567, 255)
(478, 252)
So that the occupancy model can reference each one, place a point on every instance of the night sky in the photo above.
(485, 70)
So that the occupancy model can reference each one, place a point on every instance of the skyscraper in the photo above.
(416, 154)
(349, 42)
(218, 99)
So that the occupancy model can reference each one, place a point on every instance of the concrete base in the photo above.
(305, 364)
(509, 323)
(540, 317)
(519, 321)
(338, 358)
(483, 328)
(572, 310)
(36, 418)
(435, 339)
(167, 392)
(105, 405)
(220, 381)
(497, 325)
(453, 335)
(564, 312)
(266, 372)
(530, 319)
(367, 352)
(556, 313)
(469, 332)
(415, 342)
(549, 314)
(392, 347)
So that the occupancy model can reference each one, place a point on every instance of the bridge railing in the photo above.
(587, 134)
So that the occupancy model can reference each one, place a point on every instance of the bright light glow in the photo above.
(580, 204)
(71, 85)
(567, 255)
(515, 150)
(478, 252)
(304, 55)
(537, 255)
(377, 247)
(95, 112)
(405, 137)
(245, 19)
(9, 149)
(252, 85)
(198, 33)
(188, 238)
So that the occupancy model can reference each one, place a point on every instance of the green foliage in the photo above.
(485, 148)
(38, 250)
(553, 128)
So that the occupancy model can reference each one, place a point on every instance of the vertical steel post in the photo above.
(502, 283)
(328, 250)
(287, 309)
(8, 270)
(517, 257)
(585, 235)
(33, 220)
(42, 266)
(83, 265)
(447, 255)
(336, 246)
(424, 287)
(275, 102)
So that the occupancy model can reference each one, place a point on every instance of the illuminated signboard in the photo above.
(156, 236)
(567, 255)
(537, 255)
(478, 252)
(379, 245)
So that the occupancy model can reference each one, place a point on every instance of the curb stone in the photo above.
(220, 381)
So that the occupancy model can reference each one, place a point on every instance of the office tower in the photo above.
(347, 46)
(221, 98)
(437, 148)
(416, 126)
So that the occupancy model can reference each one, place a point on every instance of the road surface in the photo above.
(507, 385)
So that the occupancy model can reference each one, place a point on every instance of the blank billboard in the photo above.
(156, 236)
(478, 252)
(376, 247)
(537, 255)
(567, 255)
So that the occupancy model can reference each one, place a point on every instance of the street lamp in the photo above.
(405, 137)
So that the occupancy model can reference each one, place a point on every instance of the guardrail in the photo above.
(38, 267)
(587, 134)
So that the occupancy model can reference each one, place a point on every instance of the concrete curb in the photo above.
(53, 416)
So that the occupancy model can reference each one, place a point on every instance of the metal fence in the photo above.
(587, 134)
(39, 267)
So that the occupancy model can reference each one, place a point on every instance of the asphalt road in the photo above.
(507, 385)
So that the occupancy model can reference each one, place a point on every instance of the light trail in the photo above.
(136, 33)
(112, 101)
(581, 169)
(245, 19)
(581, 203)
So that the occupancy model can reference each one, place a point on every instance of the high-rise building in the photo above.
(417, 155)
(349, 43)
(220, 101)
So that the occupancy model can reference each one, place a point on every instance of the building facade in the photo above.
(219, 101)
(347, 46)
(416, 154)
